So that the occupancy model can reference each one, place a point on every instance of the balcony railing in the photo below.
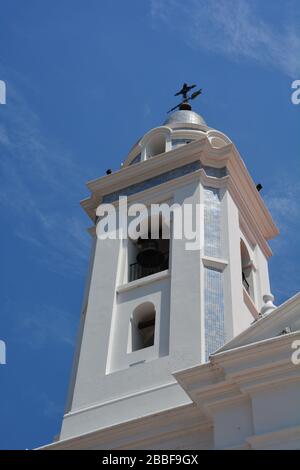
(136, 271)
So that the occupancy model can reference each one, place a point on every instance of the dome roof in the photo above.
(184, 117)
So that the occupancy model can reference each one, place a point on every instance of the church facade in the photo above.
(183, 348)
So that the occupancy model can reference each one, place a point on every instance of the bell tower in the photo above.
(157, 305)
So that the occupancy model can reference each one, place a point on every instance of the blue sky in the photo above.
(78, 74)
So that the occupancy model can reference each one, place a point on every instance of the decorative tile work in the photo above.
(163, 178)
(155, 181)
(215, 172)
(212, 222)
(213, 279)
(214, 310)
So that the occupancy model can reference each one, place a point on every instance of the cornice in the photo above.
(264, 377)
(140, 172)
(212, 181)
(266, 346)
(281, 317)
(148, 168)
(158, 437)
(202, 375)
(232, 375)
(162, 192)
(240, 183)
(252, 217)
(166, 423)
(276, 439)
(159, 192)
(237, 167)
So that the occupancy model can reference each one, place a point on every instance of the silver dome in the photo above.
(184, 117)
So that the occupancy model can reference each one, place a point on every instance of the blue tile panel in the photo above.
(213, 279)
(215, 172)
(214, 310)
(212, 222)
(151, 182)
(163, 178)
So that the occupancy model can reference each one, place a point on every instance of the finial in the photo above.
(184, 105)
(268, 306)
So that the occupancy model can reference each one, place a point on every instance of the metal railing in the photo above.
(136, 271)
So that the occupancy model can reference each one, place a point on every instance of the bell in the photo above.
(149, 255)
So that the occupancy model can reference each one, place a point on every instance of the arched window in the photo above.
(142, 327)
(150, 254)
(247, 270)
(156, 145)
(180, 141)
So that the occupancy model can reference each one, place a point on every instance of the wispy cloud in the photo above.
(51, 408)
(283, 203)
(43, 326)
(233, 28)
(41, 185)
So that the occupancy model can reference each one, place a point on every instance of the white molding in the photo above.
(109, 402)
(278, 439)
(284, 314)
(240, 183)
(213, 181)
(184, 418)
(216, 263)
(143, 281)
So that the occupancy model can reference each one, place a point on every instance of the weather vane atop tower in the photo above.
(184, 105)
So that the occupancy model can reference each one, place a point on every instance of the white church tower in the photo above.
(152, 309)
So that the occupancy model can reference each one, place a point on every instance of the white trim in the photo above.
(216, 263)
(125, 397)
(144, 281)
(281, 439)
(243, 187)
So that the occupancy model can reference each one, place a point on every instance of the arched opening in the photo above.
(149, 254)
(180, 141)
(156, 145)
(247, 270)
(142, 327)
